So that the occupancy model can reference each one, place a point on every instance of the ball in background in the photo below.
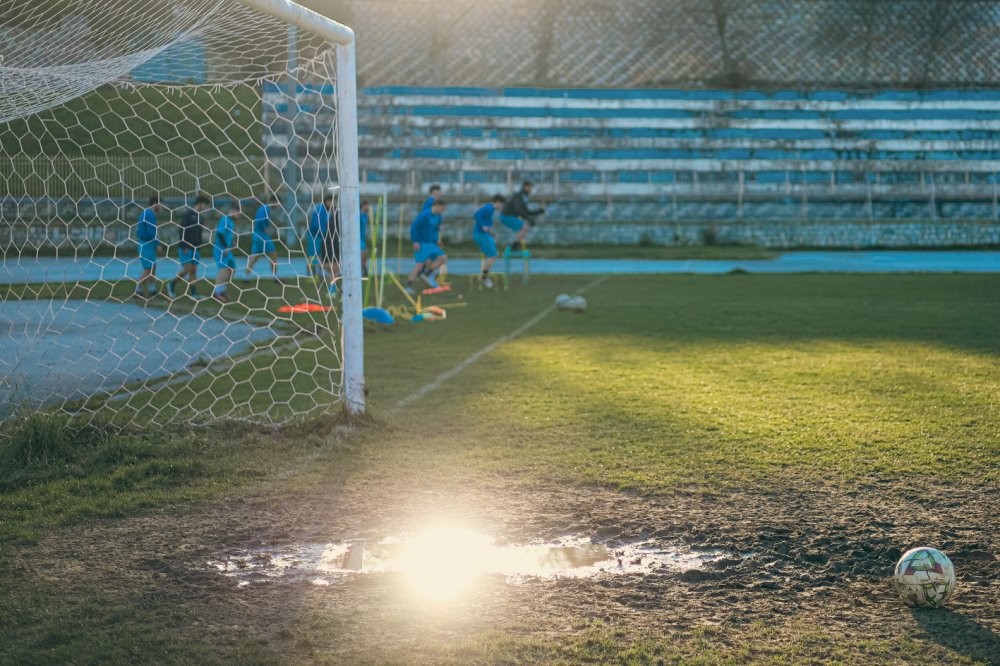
(925, 577)
(578, 304)
(563, 301)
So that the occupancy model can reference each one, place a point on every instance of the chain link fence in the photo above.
(650, 43)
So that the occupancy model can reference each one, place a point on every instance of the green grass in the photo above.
(693, 380)
(120, 142)
(666, 386)
(149, 121)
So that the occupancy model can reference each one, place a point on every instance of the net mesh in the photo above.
(108, 106)
(691, 43)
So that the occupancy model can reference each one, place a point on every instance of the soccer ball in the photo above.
(578, 304)
(563, 301)
(925, 577)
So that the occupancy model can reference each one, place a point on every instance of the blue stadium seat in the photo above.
(684, 153)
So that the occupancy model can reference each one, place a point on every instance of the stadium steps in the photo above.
(888, 152)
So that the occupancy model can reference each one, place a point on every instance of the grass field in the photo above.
(122, 142)
(817, 425)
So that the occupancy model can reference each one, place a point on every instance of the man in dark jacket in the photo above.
(518, 214)
(190, 246)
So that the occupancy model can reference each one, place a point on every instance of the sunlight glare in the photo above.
(442, 561)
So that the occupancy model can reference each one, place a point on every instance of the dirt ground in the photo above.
(816, 587)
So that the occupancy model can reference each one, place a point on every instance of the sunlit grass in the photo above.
(665, 384)
(694, 381)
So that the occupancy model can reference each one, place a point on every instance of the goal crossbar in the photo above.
(302, 17)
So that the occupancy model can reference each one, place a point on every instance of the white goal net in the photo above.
(167, 255)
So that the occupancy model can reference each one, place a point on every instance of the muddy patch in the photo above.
(768, 569)
(442, 555)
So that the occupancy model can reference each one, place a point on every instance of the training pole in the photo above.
(385, 218)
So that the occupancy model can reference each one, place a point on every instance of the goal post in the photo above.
(352, 327)
(168, 253)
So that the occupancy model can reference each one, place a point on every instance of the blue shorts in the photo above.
(486, 244)
(224, 259)
(262, 246)
(427, 252)
(189, 255)
(511, 222)
(147, 254)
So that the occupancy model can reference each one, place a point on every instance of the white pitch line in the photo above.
(475, 356)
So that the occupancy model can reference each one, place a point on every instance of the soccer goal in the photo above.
(179, 227)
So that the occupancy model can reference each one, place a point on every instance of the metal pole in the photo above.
(399, 240)
(871, 205)
(996, 203)
(805, 195)
(740, 194)
(352, 329)
(383, 225)
(933, 198)
(292, 170)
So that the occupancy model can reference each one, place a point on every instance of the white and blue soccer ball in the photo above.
(573, 303)
(925, 577)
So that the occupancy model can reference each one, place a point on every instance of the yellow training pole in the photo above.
(399, 242)
(384, 209)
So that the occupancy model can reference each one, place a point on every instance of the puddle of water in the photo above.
(441, 559)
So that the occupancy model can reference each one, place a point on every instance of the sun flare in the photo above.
(442, 561)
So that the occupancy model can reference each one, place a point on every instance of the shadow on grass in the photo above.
(957, 311)
(959, 633)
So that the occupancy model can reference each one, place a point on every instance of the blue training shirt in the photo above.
(435, 227)
(424, 228)
(319, 222)
(483, 219)
(364, 230)
(223, 237)
(146, 229)
(428, 203)
(262, 221)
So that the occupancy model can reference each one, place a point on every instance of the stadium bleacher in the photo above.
(630, 156)
(699, 154)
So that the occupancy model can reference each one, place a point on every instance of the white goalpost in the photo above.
(350, 190)
(166, 254)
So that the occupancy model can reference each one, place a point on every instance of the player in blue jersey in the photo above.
(518, 214)
(189, 250)
(425, 231)
(433, 194)
(223, 243)
(263, 244)
(328, 247)
(319, 223)
(148, 246)
(485, 237)
(366, 209)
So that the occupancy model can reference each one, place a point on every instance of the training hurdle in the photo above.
(524, 254)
